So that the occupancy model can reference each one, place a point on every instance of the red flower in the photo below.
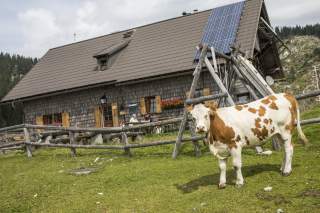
(171, 103)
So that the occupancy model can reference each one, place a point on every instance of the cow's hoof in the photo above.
(285, 174)
(222, 185)
(239, 185)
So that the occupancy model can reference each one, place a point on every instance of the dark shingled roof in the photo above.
(112, 49)
(155, 49)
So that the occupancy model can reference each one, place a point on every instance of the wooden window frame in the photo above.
(107, 115)
(104, 65)
(54, 119)
(151, 104)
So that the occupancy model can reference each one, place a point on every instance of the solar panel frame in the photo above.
(221, 28)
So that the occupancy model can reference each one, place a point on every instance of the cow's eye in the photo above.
(206, 116)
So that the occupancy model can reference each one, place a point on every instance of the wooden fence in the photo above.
(29, 132)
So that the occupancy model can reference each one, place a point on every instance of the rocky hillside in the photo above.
(298, 66)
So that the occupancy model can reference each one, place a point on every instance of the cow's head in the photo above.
(201, 114)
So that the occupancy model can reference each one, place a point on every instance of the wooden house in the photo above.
(146, 70)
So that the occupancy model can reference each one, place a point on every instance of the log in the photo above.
(308, 95)
(196, 76)
(72, 141)
(157, 143)
(76, 146)
(12, 148)
(124, 140)
(11, 144)
(243, 80)
(75, 129)
(27, 138)
(15, 127)
(205, 98)
(218, 81)
(310, 121)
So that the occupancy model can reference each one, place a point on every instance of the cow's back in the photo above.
(258, 120)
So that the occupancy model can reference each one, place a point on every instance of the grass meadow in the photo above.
(151, 181)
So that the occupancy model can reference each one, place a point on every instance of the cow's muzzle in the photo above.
(201, 129)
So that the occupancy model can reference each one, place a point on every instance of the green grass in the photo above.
(151, 181)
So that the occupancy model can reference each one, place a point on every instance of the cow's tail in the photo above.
(300, 132)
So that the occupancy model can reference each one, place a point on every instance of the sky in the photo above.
(32, 27)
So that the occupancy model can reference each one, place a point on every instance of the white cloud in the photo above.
(293, 12)
(39, 30)
(87, 22)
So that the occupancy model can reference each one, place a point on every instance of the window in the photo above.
(133, 108)
(151, 105)
(53, 119)
(107, 56)
(103, 63)
(107, 115)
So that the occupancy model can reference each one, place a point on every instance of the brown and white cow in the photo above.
(229, 129)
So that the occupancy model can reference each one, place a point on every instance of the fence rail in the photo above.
(30, 130)
(308, 95)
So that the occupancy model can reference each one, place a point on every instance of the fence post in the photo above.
(27, 140)
(72, 141)
(5, 141)
(194, 142)
(124, 140)
(276, 144)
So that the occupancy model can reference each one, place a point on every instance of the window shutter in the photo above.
(158, 104)
(98, 117)
(142, 106)
(39, 120)
(115, 117)
(65, 119)
(206, 91)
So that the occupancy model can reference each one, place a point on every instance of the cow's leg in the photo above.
(237, 164)
(223, 171)
(288, 153)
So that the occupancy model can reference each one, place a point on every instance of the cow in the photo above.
(229, 129)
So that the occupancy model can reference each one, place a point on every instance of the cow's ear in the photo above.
(189, 108)
(212, 105)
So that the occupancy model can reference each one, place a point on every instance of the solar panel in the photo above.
(221, 29)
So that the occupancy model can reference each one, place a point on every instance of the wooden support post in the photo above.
(124, 139)
(251, 91)
(72, 141)
(218, 81)
(196, 76)
(27, 139)
(2, 151)
(205, 98)
(195, 143)
(276, 144)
